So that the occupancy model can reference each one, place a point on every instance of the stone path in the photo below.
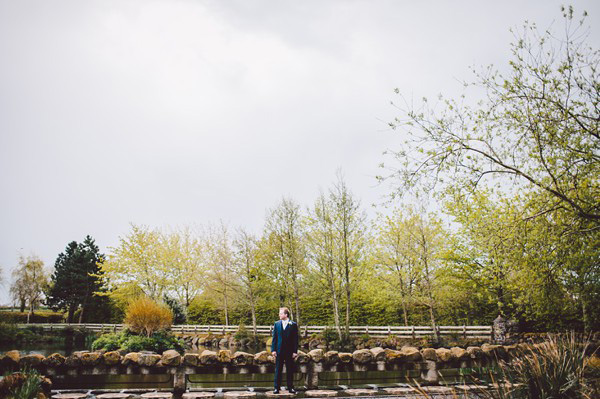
(239, 395)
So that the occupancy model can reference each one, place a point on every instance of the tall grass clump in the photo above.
(26, 384)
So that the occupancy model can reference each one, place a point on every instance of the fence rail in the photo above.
(480, 332)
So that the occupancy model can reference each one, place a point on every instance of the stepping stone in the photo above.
(70, 396)
(471, 387)
(436, 389)
(281, 394)
(323, 393)
(239, 394)
(399, 391)
(157, 395)
(360, 392)
(114, 396)
(198, 395)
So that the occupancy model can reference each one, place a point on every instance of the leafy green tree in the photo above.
(29, 282)
(536, 129)
(76, 278)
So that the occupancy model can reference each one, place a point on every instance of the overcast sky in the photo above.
(171, 113)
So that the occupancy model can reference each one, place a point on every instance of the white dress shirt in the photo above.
(284, 323)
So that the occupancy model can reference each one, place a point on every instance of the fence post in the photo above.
(464, 331)
(412, 332)
(389, 330)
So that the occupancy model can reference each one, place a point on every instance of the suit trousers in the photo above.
(289, 369)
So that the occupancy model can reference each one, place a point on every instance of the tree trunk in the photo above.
(71, 313)
(22, 305)
(404, 311)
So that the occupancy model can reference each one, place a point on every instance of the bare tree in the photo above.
(30, 279)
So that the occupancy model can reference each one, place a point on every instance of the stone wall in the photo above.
(427, 361)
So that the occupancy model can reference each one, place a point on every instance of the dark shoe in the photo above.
(275, 391)
(292, 391)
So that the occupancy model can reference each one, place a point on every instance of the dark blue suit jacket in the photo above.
(285, 341)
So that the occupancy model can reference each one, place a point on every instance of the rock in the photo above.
(239, 395)
(302, 358)
(393, 356)
(322, 393)
(242, 359)
(224, 342)
(198, 395)
(362, 356)
(345, 357)
(170, 358)
(444, 355)
(54, 360)
(131, 358)
(208, 357)
(224, 356)
(429, 354)
(360, 392)
(156, 395)
(148, 360)
(90, 358)
(475, 352)
(73, 360)
(112, 358)
(459, 353)
(331, 357)
(11, 358)
(316, 355)
(494, 351)
(263, 357)
(411, 354)
(379, 354)
(32, 360)
(191, 359)
(399, 391)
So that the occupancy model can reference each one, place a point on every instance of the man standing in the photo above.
(284, 348)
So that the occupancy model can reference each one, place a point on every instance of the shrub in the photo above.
(179, 315)
(144, 316)
(40, 316)
(242, 333)
(130, 342)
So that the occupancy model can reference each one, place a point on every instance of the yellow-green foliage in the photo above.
(144, 316)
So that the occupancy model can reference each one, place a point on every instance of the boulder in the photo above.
(331, 357)
(112, 358)
(379, 354)
(131, 358)
(393, 356)
(362, 356)
(170, 358)
(73, 360)
(242, 359)
(148, 360)
(494, 351)
(429, 354)
(345, 357)
(11, 359)
(54, 360)
(411, 354)
(444, 355)
(316, 355)
(191, 359)
(224, 356)
(263, 357)
(459, 353)
(208, 357)
(302, 358)
(33, 360)
(474, 352)
(90, 358)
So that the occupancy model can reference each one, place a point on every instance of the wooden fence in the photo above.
(479, 332)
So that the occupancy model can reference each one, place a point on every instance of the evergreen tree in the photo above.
(76, 277)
